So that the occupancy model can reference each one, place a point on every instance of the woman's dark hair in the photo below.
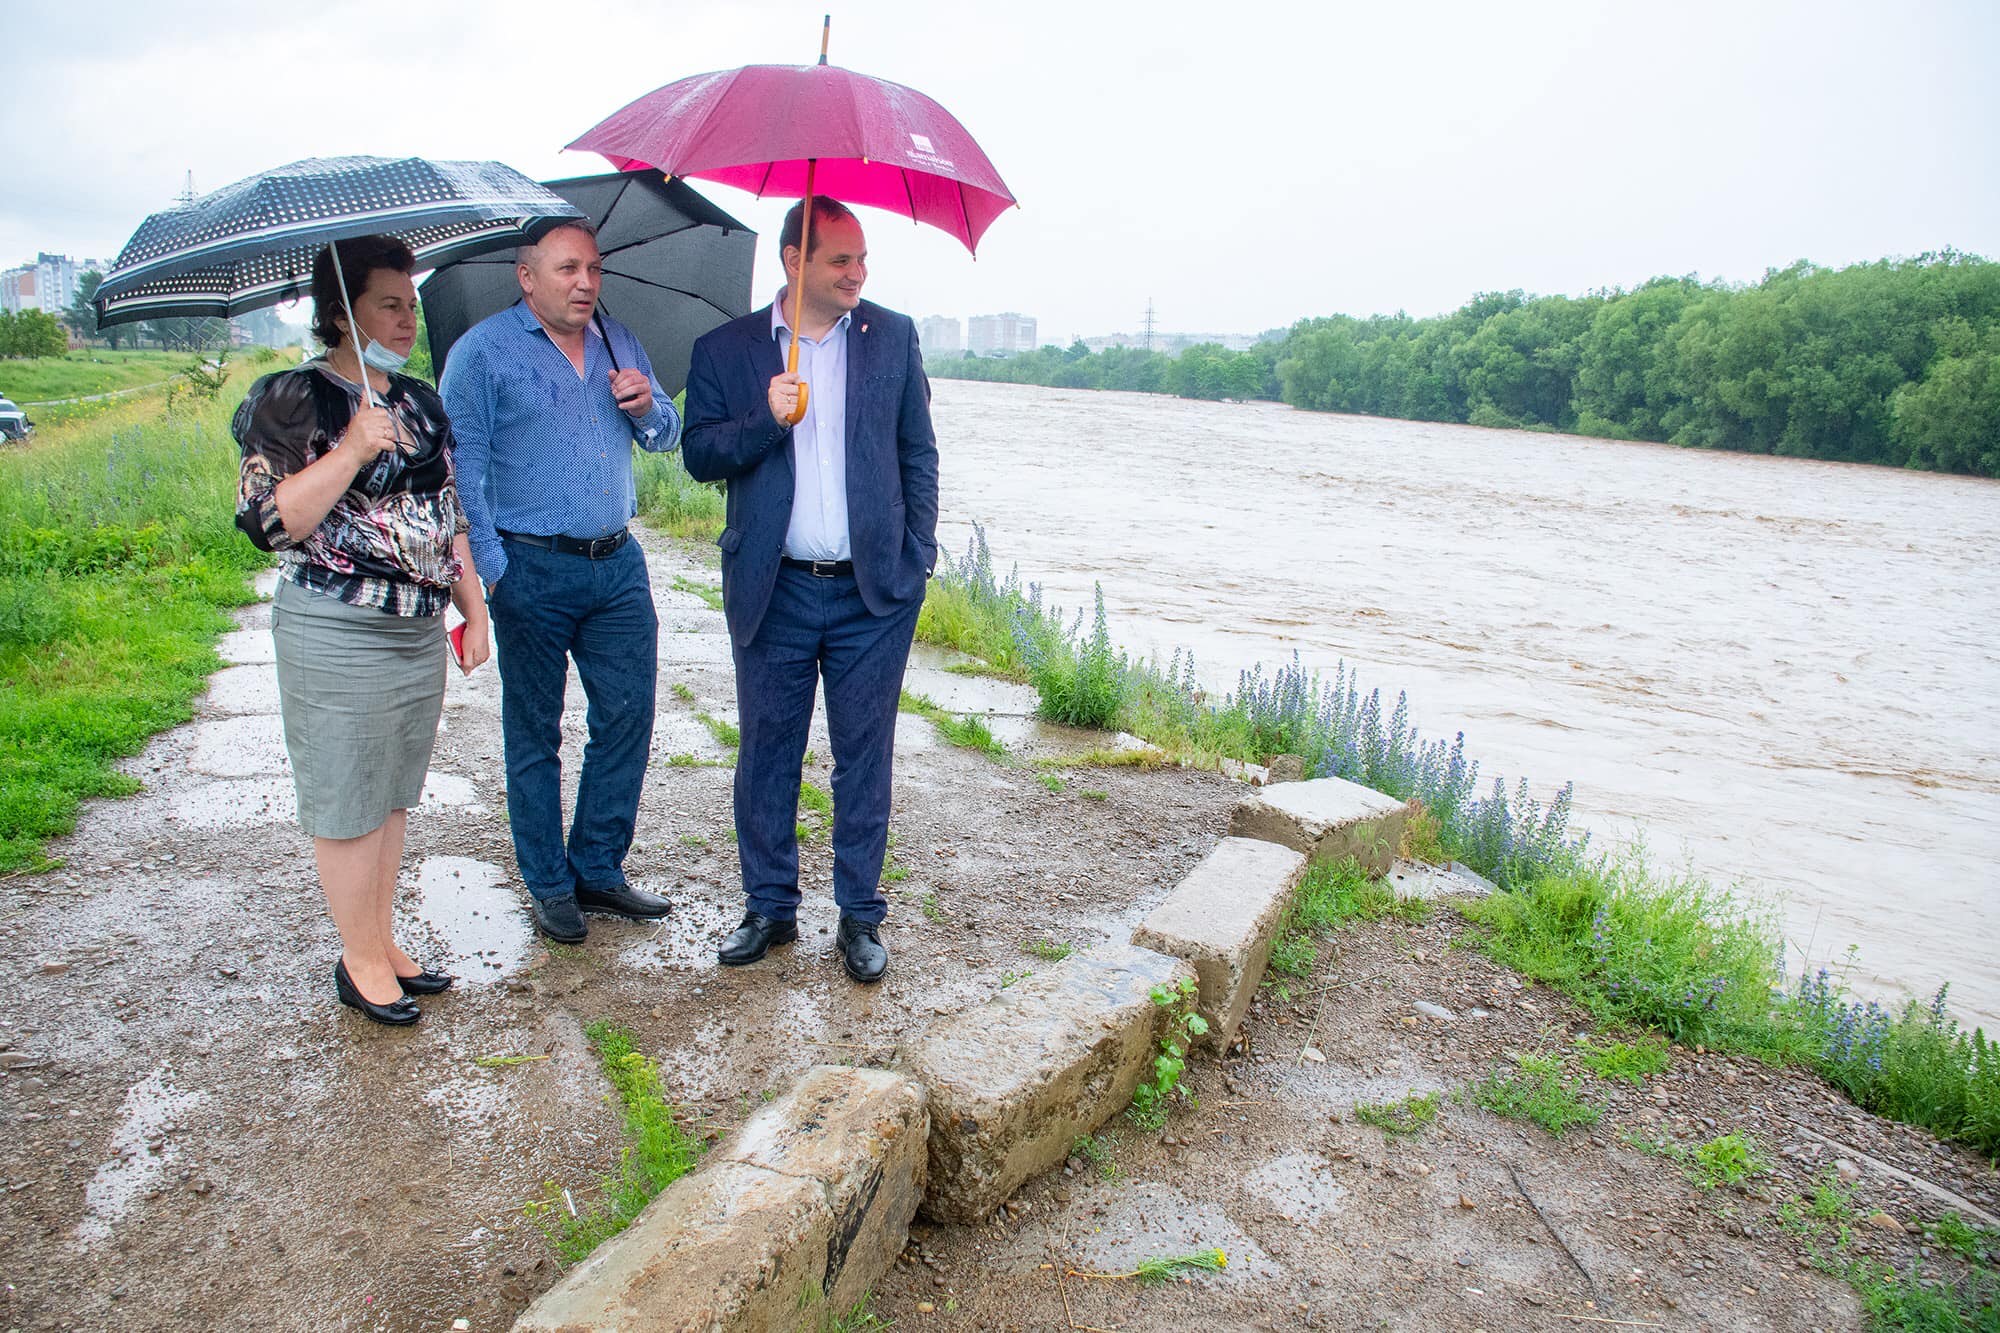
(358, 258)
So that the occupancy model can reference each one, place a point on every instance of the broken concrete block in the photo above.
(1223, 918)
(862, 1134)
(1014, 1081)
(1328, 819)
(729, 1247)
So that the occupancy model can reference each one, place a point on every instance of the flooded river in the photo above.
(1781, 673)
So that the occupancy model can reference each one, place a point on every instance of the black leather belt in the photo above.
(591, 548)
(825, 569)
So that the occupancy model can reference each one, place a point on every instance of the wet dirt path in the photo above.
(193, 1134)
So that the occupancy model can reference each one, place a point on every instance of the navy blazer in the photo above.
(892, 461)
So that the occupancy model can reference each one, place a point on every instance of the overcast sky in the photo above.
(1242, 165)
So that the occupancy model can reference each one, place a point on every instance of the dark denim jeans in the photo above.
(818, 628)
(549, 608)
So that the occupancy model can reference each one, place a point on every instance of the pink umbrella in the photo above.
(796, 130)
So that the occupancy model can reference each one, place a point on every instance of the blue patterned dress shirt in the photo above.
(541, 449)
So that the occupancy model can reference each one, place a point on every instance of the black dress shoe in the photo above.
(427, 983)
(559, 919)
(861, 951)
(754, 938)
(400, 1012)
(624, 901)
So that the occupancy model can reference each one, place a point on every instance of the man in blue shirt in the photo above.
(832, 533)
(546, 400)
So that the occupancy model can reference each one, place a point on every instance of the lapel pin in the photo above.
(864, 328)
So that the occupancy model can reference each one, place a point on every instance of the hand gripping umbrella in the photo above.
(252, 244)
(793, 130)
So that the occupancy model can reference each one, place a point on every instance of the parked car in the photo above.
(14, 423)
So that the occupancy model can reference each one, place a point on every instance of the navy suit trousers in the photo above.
(818, 628)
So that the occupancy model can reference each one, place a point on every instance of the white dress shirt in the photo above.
(818, 529)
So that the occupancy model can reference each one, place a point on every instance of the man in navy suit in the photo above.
(832, 533)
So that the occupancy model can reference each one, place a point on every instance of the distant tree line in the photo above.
(1894, 362)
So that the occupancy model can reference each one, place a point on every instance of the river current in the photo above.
(1781, 674)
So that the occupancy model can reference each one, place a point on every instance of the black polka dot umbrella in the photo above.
(252, 244)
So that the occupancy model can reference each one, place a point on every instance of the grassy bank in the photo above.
(1633, 943)
(92, 371)
(672, 501)
(118, 559)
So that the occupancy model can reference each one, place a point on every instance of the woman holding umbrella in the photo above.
(347, 475)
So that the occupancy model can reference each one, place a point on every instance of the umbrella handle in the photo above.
(798, 412)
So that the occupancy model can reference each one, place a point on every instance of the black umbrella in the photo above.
(252, 244)
(675, 266)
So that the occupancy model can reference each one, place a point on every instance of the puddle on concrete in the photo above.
(238, 747)
(149, 1111)
(686, 940)
(970, 694)
(478, 922)
(1146, 1220)
(1300, 1186)
(243, 689)
(236, 803)
(265, 584)
(479, 1104)
(250, 645)
(449, 791)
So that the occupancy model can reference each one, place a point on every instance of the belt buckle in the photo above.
(602, 547)
(824, 569)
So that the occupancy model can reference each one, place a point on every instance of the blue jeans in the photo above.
(549, 608)
(818, 628)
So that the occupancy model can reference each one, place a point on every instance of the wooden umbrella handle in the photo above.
(799, 293)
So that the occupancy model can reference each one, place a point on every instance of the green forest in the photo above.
(1894, 362)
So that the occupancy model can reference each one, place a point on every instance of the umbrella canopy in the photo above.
(252, 244)
(675, 266)
(757, 128)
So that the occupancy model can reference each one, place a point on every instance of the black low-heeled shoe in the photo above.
(400, 1012)
(427, 983)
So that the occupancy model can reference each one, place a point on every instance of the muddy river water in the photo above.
(1781, 674)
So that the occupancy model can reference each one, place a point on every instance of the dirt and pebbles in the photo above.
(196, 1136)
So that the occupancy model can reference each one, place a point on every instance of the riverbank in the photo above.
(172, 1054)
(1768, 668)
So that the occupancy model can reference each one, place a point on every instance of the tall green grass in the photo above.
(82, 373)
(672, 501)
(119, 556)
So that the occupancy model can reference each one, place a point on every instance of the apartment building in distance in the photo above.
(939, 335)
(50, 283)
(1000, 335)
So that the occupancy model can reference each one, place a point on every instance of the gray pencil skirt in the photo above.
(361, 691)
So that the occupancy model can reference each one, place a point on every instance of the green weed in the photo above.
(1094, 794)
(683, 692)
(1010, 976)
(1631, 1061)
(1293, 954)
(1727, 1159)
(658, 1153)
(1095, 1149)
(1052, 782)
(725, 733)
(932, 911)
(815, 798)
(1049, 951)
(1536, 1091)
(1154, 1096)
(710, 595)
(1412, 1115)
